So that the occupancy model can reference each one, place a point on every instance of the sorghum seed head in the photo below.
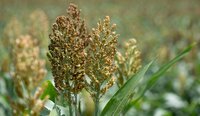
(100, 56)
(29, 71)
(129, 63)
(69, 38)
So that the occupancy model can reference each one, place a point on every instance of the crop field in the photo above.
(99, 57)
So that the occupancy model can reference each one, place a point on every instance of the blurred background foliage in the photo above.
(161, 27)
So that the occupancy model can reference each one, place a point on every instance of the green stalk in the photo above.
(97, 104)
(70, 104)
(70, 110)
(75, 104)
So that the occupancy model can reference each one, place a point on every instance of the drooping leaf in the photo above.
(121, 97)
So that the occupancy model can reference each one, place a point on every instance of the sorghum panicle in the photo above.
(12, 30)
(100, 57)
(29, 71)
(129, 63)
(67, 55)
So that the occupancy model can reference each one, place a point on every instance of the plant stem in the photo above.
(70, 110)
(75, 104)
(97, 104)
(70, 104)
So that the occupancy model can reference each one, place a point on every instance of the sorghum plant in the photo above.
(29, 71)
(100, 60)
(74, 53)
(129, 63)
(67, 54)
(81, 60)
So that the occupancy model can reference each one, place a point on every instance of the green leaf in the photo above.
(121, 97)
(149, 82)
(49, 90)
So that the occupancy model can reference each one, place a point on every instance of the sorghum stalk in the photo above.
(97, 104)
(70, 104)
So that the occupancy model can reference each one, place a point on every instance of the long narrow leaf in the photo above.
(157, 75)
(119, 100)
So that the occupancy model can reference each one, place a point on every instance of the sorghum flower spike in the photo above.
(29, 68)
(29, 71)
(66, 51)
(100, 58)
(129, 63)
(133, 56)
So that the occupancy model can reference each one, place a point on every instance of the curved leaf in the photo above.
(149, 82)
(121, 97)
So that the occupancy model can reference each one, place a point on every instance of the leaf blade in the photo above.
(49, 90)
(118, 101)
(157, 75)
